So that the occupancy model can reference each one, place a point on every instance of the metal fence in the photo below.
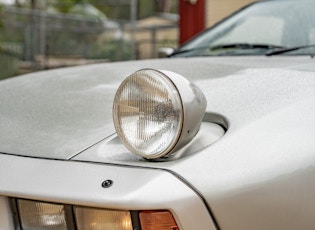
(40, 38)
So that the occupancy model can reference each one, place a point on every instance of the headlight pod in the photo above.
(157, 112)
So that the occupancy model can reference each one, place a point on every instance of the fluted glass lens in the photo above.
(40, 215)
(101, 219)
(148, 113)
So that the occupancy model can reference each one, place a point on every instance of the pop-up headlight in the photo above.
(157, 112)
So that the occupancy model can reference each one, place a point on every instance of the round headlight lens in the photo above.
(148, 113)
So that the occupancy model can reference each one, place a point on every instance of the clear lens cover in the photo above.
(148, 113)
(40, 215)
(101, 219)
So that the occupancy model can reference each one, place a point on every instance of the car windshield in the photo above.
(260, 29)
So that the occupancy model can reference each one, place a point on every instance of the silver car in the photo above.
(220, 135)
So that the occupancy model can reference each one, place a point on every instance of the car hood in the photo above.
(61, 113)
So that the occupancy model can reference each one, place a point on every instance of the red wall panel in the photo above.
(192, 18)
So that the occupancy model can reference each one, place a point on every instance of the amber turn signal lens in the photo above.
(157, 220)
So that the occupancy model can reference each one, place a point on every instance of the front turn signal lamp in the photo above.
(157, 220)
(157, 112)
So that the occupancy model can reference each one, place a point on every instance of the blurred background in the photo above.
(44, 34)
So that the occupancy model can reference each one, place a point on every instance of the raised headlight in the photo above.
(157, 112)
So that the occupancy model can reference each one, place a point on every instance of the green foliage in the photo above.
(119, 11)
(1, 24)
(65, 6)
(114, 50)
(87, 46)
(145, 8)
(8, 65)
